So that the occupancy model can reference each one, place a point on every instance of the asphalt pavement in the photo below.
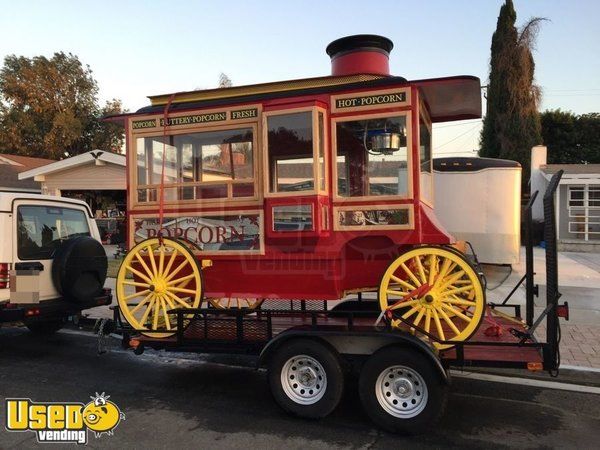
(173, 400)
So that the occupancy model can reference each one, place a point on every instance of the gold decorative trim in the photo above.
(262, 88)
(368, 100)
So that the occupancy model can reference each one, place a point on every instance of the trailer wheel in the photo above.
(401, 391)
(306, 378)
(157, 276)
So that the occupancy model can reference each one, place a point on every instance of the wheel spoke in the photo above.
(156, 313)
(411, 311)
(176, 271)
(171, 261)
(139, 274)
(161, 259)
(403, 283)
(152, 260)
(419, 317)
(181, 280)
(427, 320)
(169, 302)
(451, 279)
(142, 303)
(135, 283)
(410, 274)
(438, 325)
(458, 290)
(448, 320)
(163, 308)
(178, 300)
(147, 312)
(136, 294)
(457, 301)
(421, 269)
(182, 290)
(447, 265)
(456, 312)
(432, 268)
(144, 265)
(401, 304)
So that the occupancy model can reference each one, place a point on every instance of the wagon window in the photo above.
(426, 180)
(212, 164)
(372, 158)
(290, 152)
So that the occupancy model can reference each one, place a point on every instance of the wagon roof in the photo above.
(448, 98)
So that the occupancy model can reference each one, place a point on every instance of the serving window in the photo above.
(295, 147)
(216, 164)
(372, 156)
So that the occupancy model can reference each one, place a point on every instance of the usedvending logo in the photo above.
(63, 422)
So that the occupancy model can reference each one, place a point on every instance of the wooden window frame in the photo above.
(226, 201)
(315, 151)
(407, 113)
(427, 119)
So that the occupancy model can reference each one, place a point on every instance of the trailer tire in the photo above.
(306, 378)
(401, 391)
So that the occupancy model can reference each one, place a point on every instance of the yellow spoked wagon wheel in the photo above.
(436, 289)
(154, 278)
(236, 303)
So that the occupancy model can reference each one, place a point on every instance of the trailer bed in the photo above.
(237, 332)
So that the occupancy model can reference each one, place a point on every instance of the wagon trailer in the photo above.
(255, 213)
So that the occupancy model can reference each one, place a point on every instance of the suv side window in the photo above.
(41, 229)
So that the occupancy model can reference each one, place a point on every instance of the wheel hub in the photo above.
(159, 286)
(401, 391)
(303, 379)
(404, 388)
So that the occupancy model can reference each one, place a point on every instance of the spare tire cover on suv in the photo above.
(79, 269)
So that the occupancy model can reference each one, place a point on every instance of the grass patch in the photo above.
(113, 267)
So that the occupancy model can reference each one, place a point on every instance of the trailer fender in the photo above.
(355, 344)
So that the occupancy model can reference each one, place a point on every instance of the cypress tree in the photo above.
(512, 124)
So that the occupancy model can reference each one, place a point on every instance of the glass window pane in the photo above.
(290, 152)
(42, 229)
(292, 218)
(426, 180)
(361, 218)
(321, 152)
(210, 156)
(372, 157)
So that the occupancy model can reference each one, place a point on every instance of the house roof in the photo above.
(11, 166)
(574, 169)
(98, 157)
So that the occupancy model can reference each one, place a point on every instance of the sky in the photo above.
(140, 48)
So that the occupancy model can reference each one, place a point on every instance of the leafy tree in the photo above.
(49, 108)
(571, 138)
(512, 125)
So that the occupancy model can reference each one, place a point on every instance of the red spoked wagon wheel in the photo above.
(436, 289)
(158, 275)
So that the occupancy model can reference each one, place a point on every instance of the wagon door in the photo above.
(296, 167)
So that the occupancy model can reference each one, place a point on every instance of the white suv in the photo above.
(52, 264)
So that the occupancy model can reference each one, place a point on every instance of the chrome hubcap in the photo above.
(401, 392)
(303, 379)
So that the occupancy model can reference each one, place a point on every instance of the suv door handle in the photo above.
(33, 265)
